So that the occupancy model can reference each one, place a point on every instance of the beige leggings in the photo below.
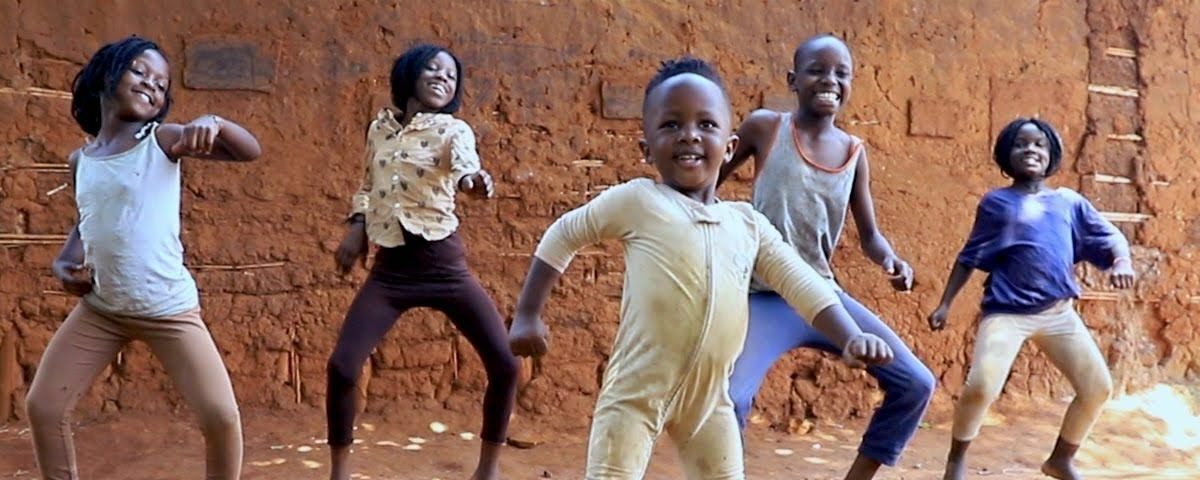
(1060, 334)
(88, 341)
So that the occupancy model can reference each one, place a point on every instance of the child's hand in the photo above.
(1122, 275)
(528, 337)
(76, 278)
(198, 137)
(353, 247)
(866, 349)
(937, 319)
(899, 273)
(479, 184)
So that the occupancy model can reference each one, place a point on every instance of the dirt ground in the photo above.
(1152, 435)
(553, 94)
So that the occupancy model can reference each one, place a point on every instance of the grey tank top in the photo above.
(806, 202)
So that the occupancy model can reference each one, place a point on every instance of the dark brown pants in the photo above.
(421, 273)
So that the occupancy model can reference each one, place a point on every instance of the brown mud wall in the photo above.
(553, 93)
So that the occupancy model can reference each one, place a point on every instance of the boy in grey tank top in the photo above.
(808, 173)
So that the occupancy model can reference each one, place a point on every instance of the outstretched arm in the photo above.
(605, 217)
(982, 251)
(528, 335)
(1100, 242)
(209, 137)
(812, 296)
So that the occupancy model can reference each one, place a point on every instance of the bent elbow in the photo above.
(252, 153)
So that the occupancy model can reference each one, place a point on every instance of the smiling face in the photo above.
(1029, 157)
(822, 76)
(141, 92)
(687, 130)
(437, 83)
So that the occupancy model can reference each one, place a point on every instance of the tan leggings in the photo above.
(1060, 334)
(88, 341)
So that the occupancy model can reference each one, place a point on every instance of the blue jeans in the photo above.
(776, 329)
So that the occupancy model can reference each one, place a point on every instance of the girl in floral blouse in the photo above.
(418, 157)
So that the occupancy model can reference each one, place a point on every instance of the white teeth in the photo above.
(827, 96)
(147, 97)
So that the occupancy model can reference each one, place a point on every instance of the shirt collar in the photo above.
(390, 118)
(699, 212)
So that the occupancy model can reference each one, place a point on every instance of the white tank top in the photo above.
(129, 224)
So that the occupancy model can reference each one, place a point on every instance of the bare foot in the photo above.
(955, 471)
(339, 463)
(1060, 469)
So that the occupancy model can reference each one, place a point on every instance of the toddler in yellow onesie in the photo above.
(689, 259)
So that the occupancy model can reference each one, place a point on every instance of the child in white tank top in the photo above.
(125, 260)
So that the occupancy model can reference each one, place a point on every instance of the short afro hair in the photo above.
(680, 66)
(814, 39)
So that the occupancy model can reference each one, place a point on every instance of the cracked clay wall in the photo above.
(553, 93)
